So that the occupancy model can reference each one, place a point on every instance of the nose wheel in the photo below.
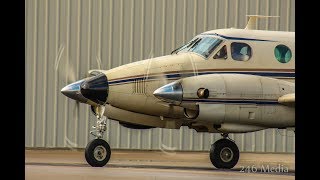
(98, 151)
(224, 153)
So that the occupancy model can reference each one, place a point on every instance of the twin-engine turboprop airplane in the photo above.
(222, 81)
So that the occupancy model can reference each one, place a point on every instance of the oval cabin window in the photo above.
(282, 53)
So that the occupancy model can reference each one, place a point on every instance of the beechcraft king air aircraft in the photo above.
(222, 81)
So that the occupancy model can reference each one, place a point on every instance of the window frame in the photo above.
(219, 49)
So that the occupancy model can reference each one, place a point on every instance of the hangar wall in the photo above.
(65, 39)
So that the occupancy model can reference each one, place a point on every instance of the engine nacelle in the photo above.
(239, 99)
(232, 99)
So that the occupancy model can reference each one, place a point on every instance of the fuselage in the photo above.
(247, 71)
(131, 86)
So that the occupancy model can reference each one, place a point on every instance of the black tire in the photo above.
(91, 150)
(220, 146)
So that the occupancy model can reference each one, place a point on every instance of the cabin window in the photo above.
(240, 51)
(282, 53)
(222, 53)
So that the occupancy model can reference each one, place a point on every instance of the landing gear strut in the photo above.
(98, 152)
(224, 153)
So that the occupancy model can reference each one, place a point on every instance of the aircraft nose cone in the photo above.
(73, 91)
(171, 93)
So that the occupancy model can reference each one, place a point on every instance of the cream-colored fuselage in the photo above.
(130, 98)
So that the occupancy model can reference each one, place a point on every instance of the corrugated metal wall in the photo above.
(68, 36)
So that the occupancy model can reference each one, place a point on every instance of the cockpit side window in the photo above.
(185, 47)
(240, 51)
(222, 53)
(203, 46)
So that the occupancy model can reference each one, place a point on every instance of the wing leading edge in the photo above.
(288, 99)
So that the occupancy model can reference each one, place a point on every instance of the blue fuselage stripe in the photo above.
(237, 38)
(178, 75)
(232, 101)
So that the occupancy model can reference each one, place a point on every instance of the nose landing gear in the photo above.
(224, 153)
(98, 152)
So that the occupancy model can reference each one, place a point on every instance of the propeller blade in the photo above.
(66, 69)
(71, 74)
(76, 111)
(154, 72)
(98, 62)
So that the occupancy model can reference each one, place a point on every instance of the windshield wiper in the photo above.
(195, 43)
(192, 43)
(176, 49)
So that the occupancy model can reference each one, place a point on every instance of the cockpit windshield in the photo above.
(200, 45)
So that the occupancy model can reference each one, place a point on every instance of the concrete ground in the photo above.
(125, 164)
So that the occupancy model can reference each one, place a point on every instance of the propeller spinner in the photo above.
(171, 93)
(94, 89)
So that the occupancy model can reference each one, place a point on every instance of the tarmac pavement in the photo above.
(127, 164)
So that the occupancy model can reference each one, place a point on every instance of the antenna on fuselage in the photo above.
(252, 22)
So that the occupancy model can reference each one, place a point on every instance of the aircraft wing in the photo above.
(288, 99)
